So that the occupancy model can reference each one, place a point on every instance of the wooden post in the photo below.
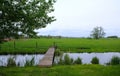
(53, 44)
(14, 45)
(0, 47)
(36, 46)
(9, 47)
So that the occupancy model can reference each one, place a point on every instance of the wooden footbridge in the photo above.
(48, 58)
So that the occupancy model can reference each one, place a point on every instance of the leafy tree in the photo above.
(22, 17)
(97, 33)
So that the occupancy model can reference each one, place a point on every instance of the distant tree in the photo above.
(24, 16)
(97, 33)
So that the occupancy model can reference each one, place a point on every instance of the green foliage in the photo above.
(22, 17)
(115, 60)
(58, 52)
(30, 62)
(95, 60)
(61, 61)
(11, 62)
(67, 59)
(78, 61)
(97, 33)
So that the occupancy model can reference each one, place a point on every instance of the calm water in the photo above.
(86, 58)
(20, 59)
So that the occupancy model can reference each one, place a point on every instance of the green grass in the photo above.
(64, 44)
(62, 70)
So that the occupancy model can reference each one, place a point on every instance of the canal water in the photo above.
(20, 59)
(86, 58)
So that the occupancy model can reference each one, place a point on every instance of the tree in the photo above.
(97, 33)
(22, 17)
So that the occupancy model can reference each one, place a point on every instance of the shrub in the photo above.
(67, 59)
(58, 52)
(30, 62)
(11, 62)
(61, 61)
(115, 60)
(78, 61)
(95, 60)
(72, 61)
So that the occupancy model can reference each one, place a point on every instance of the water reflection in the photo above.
(20, 59)
(87, 57)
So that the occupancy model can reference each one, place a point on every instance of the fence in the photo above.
(16, 48)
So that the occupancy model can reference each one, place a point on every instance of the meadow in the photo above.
(31, 46)
(62, 70)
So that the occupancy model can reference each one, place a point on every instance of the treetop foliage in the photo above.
(22, 17)
(97, 32)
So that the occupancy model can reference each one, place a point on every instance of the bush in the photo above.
(95, 60)
(72, 61)
(61, 61)
(78, 61)
(67, 59)
(115, 60)
(58, 52)
(30, 62)
(11, 62)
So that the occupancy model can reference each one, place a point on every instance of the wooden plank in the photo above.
(48, 58)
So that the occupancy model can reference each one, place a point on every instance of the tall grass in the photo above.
(95, 60)
(66, 60)
(115, 60)
(78, 61)
(11, 62)
(30, 62)
(58, 52)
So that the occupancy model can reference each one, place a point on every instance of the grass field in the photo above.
(62, 70)
(64, 44)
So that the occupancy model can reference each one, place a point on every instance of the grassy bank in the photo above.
(63, 44)
(63, 70)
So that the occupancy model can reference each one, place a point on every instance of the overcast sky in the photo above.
(77, 18)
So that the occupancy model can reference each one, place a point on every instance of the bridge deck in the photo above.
(48, 58)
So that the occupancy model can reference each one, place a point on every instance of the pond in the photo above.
(86, 58)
